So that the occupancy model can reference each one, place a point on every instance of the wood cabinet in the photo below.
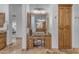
(2, 19)
(47, 41)
(2, 40)
(64, 26)
(2, 34)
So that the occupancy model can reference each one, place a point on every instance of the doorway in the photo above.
(64, 26)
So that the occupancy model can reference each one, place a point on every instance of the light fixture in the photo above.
(39, 11)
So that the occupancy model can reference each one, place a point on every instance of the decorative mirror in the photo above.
(38, 22)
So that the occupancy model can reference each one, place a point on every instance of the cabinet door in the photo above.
(30, 43)
(48, 42)
(64, 27)
(2, 40)
(2, 19)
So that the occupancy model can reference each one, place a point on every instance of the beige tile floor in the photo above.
(15, 48)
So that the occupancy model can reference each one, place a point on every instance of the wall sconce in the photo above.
(39, 11)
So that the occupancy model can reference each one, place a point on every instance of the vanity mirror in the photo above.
(39, 23)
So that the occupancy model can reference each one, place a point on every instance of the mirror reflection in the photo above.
(39, 23)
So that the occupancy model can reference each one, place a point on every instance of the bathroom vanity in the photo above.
(38, 30)
(2, 31)
(39, 42)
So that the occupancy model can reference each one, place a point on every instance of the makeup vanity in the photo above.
(2, 32)
(38, 30)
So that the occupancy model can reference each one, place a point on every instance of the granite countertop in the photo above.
(3, 29)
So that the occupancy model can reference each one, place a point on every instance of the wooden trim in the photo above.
(18, 37)
(28, 20)
(24, 49)
(66, 5)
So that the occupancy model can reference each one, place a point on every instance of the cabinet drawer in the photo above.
(2, 40)
(2, 32)
(2, 35)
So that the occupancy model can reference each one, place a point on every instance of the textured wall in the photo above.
(75, 26)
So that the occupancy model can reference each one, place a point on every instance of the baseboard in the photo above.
(24, 49)
(62, 49)
(75, 48)
(54, 48)
(18, 37)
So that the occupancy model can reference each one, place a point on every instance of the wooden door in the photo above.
(64, 26)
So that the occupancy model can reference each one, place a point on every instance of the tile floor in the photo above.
(16, 49)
